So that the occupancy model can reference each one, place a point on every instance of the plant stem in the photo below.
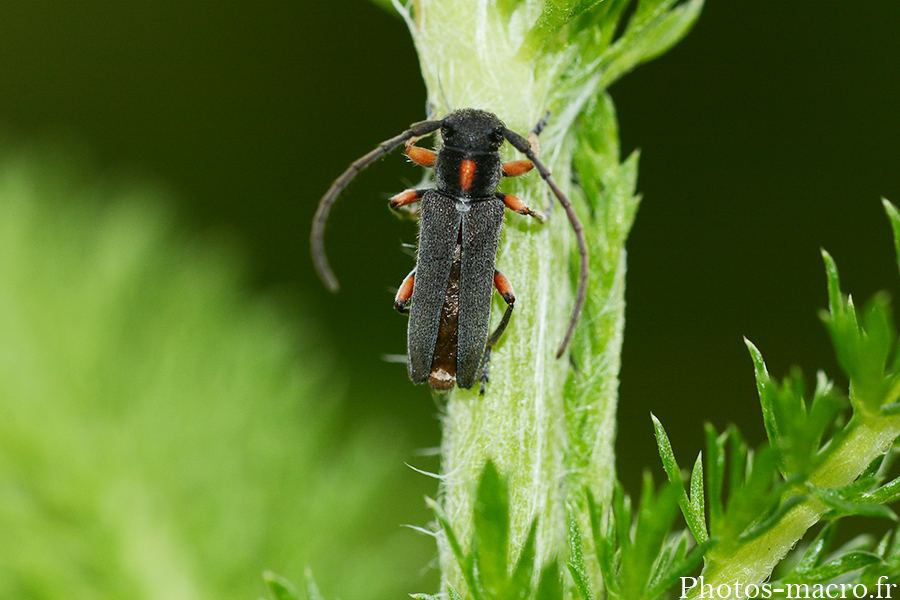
(552, 438)
(753, 562)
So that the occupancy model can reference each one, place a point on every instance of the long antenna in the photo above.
(316, 238)
(523, 145)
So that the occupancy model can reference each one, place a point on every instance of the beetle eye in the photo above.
(447, 131)
(497, 136)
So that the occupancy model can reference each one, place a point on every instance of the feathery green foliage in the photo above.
(165, 434)
(822, 461)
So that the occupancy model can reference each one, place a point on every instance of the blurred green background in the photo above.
(770, 132)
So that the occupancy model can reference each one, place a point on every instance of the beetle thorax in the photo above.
(466, 174)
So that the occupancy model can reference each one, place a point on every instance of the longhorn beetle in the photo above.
(448, 294)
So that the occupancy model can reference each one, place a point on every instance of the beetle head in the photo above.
(473, 130)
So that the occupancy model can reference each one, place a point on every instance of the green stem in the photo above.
(753, 562)
(547, 424)
(550, 441)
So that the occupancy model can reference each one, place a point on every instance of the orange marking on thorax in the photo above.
(466, 174)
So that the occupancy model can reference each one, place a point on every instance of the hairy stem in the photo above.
(754, 561)
(551, 437)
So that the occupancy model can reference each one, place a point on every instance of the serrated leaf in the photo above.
(863, 344)
(604, 542)
(576, 565)
(665, 451)
(697, 503)
(794, 430)
(649, 36)
(887, 493)
(849, 562)
(841, 506)
(695, 518)
(651, 524)
(680, 569)
(715, 452)
(772, 519)
(816, 550)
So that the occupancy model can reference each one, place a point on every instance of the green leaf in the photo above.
(281, 588)
(680, 569)
(842, 506)
(576, 565)
(691, 508)
(550, 585)
(523, 573)
(465, 560)
(604, 541)
(894, 218)
(715, 452)
(652, 523)
(491, 535)
(863, 345)
(665, 451)
(886, 494)
(772, 519)
(601, 24)
(648, 35)
(697, 504)
(816, 550)
(833, 569)
(386, 5)
(795, 431)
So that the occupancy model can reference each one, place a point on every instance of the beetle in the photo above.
(448, 293)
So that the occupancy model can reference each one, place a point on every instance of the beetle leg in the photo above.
(421, 156)
(406, 197)
(514, 168)
(401, 300)
(514, 204)
(504, 287)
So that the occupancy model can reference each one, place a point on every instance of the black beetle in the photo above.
(448, 294)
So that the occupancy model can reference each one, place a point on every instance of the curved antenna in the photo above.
(316, 243)
(524, 146)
